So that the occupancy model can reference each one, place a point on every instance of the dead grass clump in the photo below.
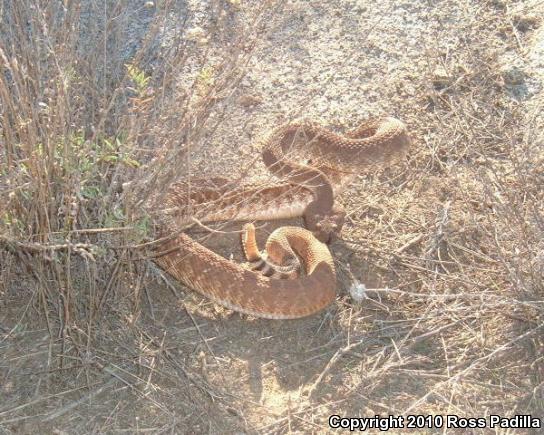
(88, 136)
(92, 120)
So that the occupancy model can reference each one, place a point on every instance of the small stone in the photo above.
(441, 77)
(195, 34)
(513, 75)
(248, 100)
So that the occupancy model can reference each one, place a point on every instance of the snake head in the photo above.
(326, 227)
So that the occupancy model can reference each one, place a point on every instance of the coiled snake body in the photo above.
(316, 164)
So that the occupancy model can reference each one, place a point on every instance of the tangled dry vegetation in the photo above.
(102, 105)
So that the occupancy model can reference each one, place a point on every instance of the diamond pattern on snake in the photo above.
(315, 166)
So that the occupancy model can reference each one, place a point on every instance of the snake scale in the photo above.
(316, 164)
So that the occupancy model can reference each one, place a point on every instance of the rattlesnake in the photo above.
(329, 162)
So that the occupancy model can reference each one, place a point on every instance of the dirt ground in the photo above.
(449, 242)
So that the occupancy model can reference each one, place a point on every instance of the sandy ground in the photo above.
(188, 366)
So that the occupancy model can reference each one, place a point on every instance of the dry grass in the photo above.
(92, 341)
